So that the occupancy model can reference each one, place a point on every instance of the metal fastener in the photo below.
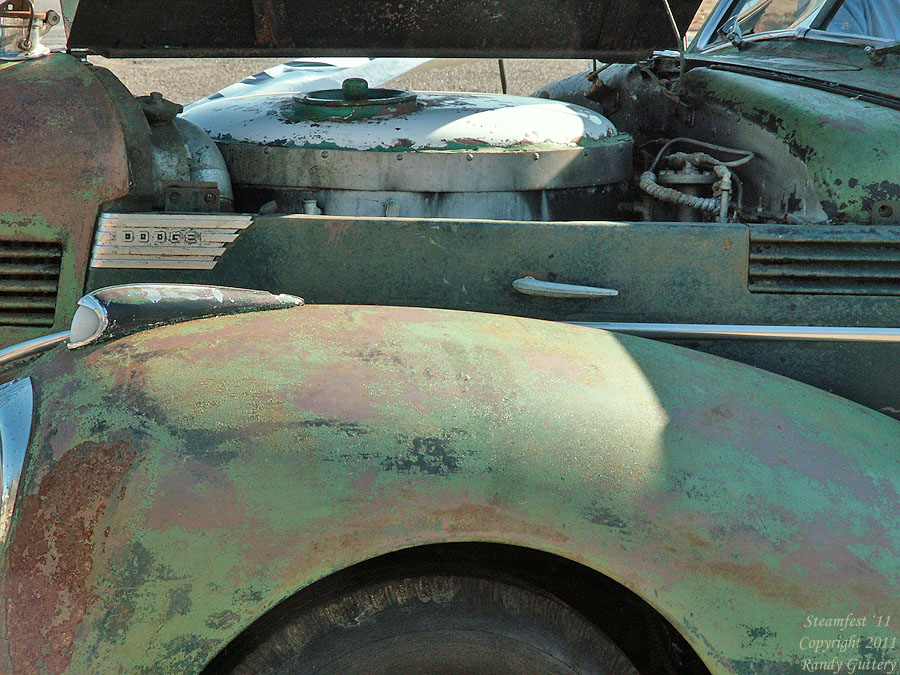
(324, 153)
(469, 156)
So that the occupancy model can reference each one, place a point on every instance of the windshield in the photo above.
(861, 18)
(873, 18)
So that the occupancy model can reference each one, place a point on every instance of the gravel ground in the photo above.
(186, 80)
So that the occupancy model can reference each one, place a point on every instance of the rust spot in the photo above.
(51, 555)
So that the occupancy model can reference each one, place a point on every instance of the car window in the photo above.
(761, 16)
(872, 18)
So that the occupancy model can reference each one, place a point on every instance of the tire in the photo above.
(430, 624)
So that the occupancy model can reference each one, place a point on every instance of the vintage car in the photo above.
(461, 453)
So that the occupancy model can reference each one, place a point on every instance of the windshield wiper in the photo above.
(731, 31)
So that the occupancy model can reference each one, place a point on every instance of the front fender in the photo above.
(184, 480)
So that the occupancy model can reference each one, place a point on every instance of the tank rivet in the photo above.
(536, 156)
(324, 153)
(267, 150)
(399, 158)
(469, 156)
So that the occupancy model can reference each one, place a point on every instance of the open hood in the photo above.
(604, 29)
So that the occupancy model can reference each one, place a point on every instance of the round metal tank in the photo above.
(382, 152)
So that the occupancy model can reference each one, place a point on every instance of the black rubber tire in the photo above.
(435, 624)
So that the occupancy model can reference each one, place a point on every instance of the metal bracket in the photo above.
(192, 197)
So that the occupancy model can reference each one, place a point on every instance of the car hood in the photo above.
(605, 29)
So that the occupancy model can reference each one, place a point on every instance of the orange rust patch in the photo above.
(51, 555)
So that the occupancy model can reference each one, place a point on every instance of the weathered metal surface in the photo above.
(688, 273)
(439, 121)
(447, 143)
(54, 108)
(841, 68)
(850, 148)
(694, 481)
(565, 28)
(840, 259)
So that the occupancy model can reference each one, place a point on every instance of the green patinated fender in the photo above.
(184, 480)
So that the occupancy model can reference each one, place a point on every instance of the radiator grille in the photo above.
(846, 260)
(29, 279)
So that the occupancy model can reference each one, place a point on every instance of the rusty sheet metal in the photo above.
(472, 28)
(202, 472)
(62, 154)
(850, 147)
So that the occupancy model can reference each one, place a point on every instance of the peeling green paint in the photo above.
(281, 446)
(847, 145)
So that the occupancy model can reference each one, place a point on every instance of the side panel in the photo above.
(184, 480)
(664, 272)
(62, 154)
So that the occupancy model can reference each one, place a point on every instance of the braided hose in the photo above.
(721, 188)
(665, 194)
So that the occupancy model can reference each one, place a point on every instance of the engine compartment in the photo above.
(630, 142)
(367, 152)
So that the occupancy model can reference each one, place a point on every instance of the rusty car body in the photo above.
(623, 353)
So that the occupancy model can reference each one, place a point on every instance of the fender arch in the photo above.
(646, 638)
(205, 471)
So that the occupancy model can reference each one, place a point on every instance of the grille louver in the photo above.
(845, 260)
(29, 279)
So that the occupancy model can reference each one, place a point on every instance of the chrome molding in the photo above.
(185, 241)
(32, 347)
(552, 289)
(705, 331)
(16, 404)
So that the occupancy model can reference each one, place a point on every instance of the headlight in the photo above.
(16, 406)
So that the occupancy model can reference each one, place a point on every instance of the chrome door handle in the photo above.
(551, 289)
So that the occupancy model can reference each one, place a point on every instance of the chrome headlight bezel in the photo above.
(16, 411)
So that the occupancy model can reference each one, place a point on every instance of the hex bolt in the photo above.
(209, 198)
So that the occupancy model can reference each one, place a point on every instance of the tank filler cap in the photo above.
(354, 100)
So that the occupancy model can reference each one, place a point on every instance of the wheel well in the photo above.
(651, 642)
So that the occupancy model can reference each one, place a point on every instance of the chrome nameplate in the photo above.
(165, 240)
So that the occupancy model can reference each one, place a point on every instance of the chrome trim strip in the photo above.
(16, 406)
(706, 331)
(31, 347)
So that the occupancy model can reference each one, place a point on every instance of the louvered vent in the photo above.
(29, 278)
(844, 260)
